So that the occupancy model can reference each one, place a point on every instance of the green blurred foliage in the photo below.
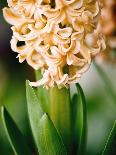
(12, 85)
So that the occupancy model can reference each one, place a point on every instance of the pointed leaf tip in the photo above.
(14, 135)
(35, 111)
(80, 122)
(42, 94)
(50, 141)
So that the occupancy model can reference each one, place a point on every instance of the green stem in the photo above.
(106, 81)
(60, 113)
(43, 94)
(56, 102)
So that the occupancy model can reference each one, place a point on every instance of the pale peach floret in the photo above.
(24, 8)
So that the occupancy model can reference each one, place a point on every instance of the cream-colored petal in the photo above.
(75, 4)
(65, 32)
(85, 52)
(32, 34)
(13, 18)
(51, 38)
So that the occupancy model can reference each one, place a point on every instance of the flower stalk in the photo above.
(60, 113)
(56, 102)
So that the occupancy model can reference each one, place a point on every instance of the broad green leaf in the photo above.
(50, 142)
(79, 122)
(110, 146)
(14, 135)
(42, 94)
(34, 111)
(60, 113)
(45, 135)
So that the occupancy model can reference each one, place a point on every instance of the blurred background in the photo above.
(101, 106)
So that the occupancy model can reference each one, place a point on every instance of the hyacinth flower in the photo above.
(58, 39)
(55, 38)
(108, 28)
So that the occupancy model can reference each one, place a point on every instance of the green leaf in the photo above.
(14, 135)
(45, 135)
(74, 123)
(42, 94)
(110, 146)
(34, 111)
(50, 142)
(79, 122)
(74, 108)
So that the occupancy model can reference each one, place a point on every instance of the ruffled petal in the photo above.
(59, 39)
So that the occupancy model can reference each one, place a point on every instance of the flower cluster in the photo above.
(59, 37)
(108, 28)
(108, 18)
